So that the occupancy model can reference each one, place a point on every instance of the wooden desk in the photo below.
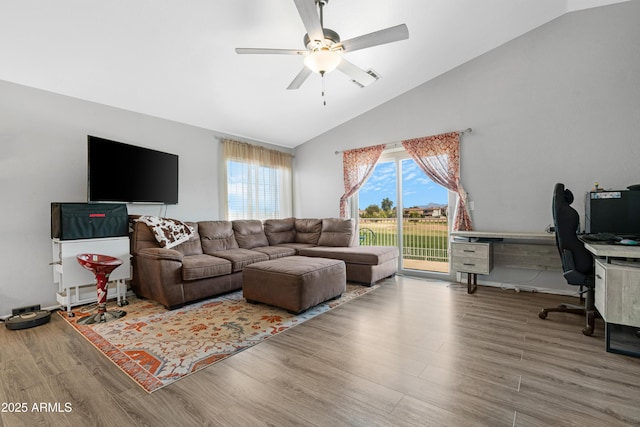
(505, 235)
(617, 293)
(508, 249)
(608, 251)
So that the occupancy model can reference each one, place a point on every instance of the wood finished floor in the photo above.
(413, 352)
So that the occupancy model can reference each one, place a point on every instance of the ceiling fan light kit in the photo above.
(322, 61)
(324, 48)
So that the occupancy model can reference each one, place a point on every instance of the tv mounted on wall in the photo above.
(119, 172)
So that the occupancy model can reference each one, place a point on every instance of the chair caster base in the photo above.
(566, 308)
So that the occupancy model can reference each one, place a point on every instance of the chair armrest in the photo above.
(567, 260)
(573, 276)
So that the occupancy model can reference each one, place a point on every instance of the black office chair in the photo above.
(577, 262)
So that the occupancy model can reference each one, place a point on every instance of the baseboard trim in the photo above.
(525, 288)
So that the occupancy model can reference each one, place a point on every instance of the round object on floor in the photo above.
(28, 320)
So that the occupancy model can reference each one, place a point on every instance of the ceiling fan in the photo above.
(324, 48)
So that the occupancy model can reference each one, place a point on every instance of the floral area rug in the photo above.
(157, 347)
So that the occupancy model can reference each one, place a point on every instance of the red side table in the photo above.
(101, 266)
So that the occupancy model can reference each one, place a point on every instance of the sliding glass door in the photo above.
(400, 206)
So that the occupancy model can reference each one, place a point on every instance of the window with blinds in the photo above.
(258, 187)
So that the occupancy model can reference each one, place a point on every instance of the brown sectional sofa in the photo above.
(212, 260)
(364, 266)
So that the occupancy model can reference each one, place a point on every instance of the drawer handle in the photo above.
(598, 276)
(469, 250)
(470, 265)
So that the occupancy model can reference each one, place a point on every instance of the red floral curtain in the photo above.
(358, 165)
(439, 157)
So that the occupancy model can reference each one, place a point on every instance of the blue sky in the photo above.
(418, 189)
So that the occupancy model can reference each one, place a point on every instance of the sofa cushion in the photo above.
(274, 252)
(367, 255)
(249, 233)
(337, 232)
(296, 246)
(280, 230)
(308, 230)
(201, 266)
(216, 236)
(191, 246)
(240, 258)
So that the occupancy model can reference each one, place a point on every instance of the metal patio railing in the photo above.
(424, 239)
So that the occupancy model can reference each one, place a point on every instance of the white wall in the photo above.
(43, 159)
(559, 104)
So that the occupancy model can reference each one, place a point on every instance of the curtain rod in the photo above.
(398, 144)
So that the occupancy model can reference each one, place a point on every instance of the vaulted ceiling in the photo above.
(176, 59)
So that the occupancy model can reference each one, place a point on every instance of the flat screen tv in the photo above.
(119, 172)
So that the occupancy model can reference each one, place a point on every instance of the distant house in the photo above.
(415, 212)
(434, 212)
(424, 212)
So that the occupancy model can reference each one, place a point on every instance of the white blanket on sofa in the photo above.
(167, 231)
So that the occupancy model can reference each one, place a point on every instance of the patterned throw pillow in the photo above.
(168, 232)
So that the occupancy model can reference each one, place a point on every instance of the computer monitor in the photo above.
(616, 212)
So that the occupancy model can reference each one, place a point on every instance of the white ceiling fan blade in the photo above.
(300, 78)
(388, 35)
(356, 74)
(250, 50)
(310, 19)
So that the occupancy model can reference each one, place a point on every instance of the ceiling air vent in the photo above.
(372, 73)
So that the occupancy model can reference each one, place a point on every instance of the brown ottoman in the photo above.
(294, 283)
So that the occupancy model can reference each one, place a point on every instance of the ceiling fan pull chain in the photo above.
(324, 100)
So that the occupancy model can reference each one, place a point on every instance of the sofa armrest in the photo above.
(161, 254)
(158, 276)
